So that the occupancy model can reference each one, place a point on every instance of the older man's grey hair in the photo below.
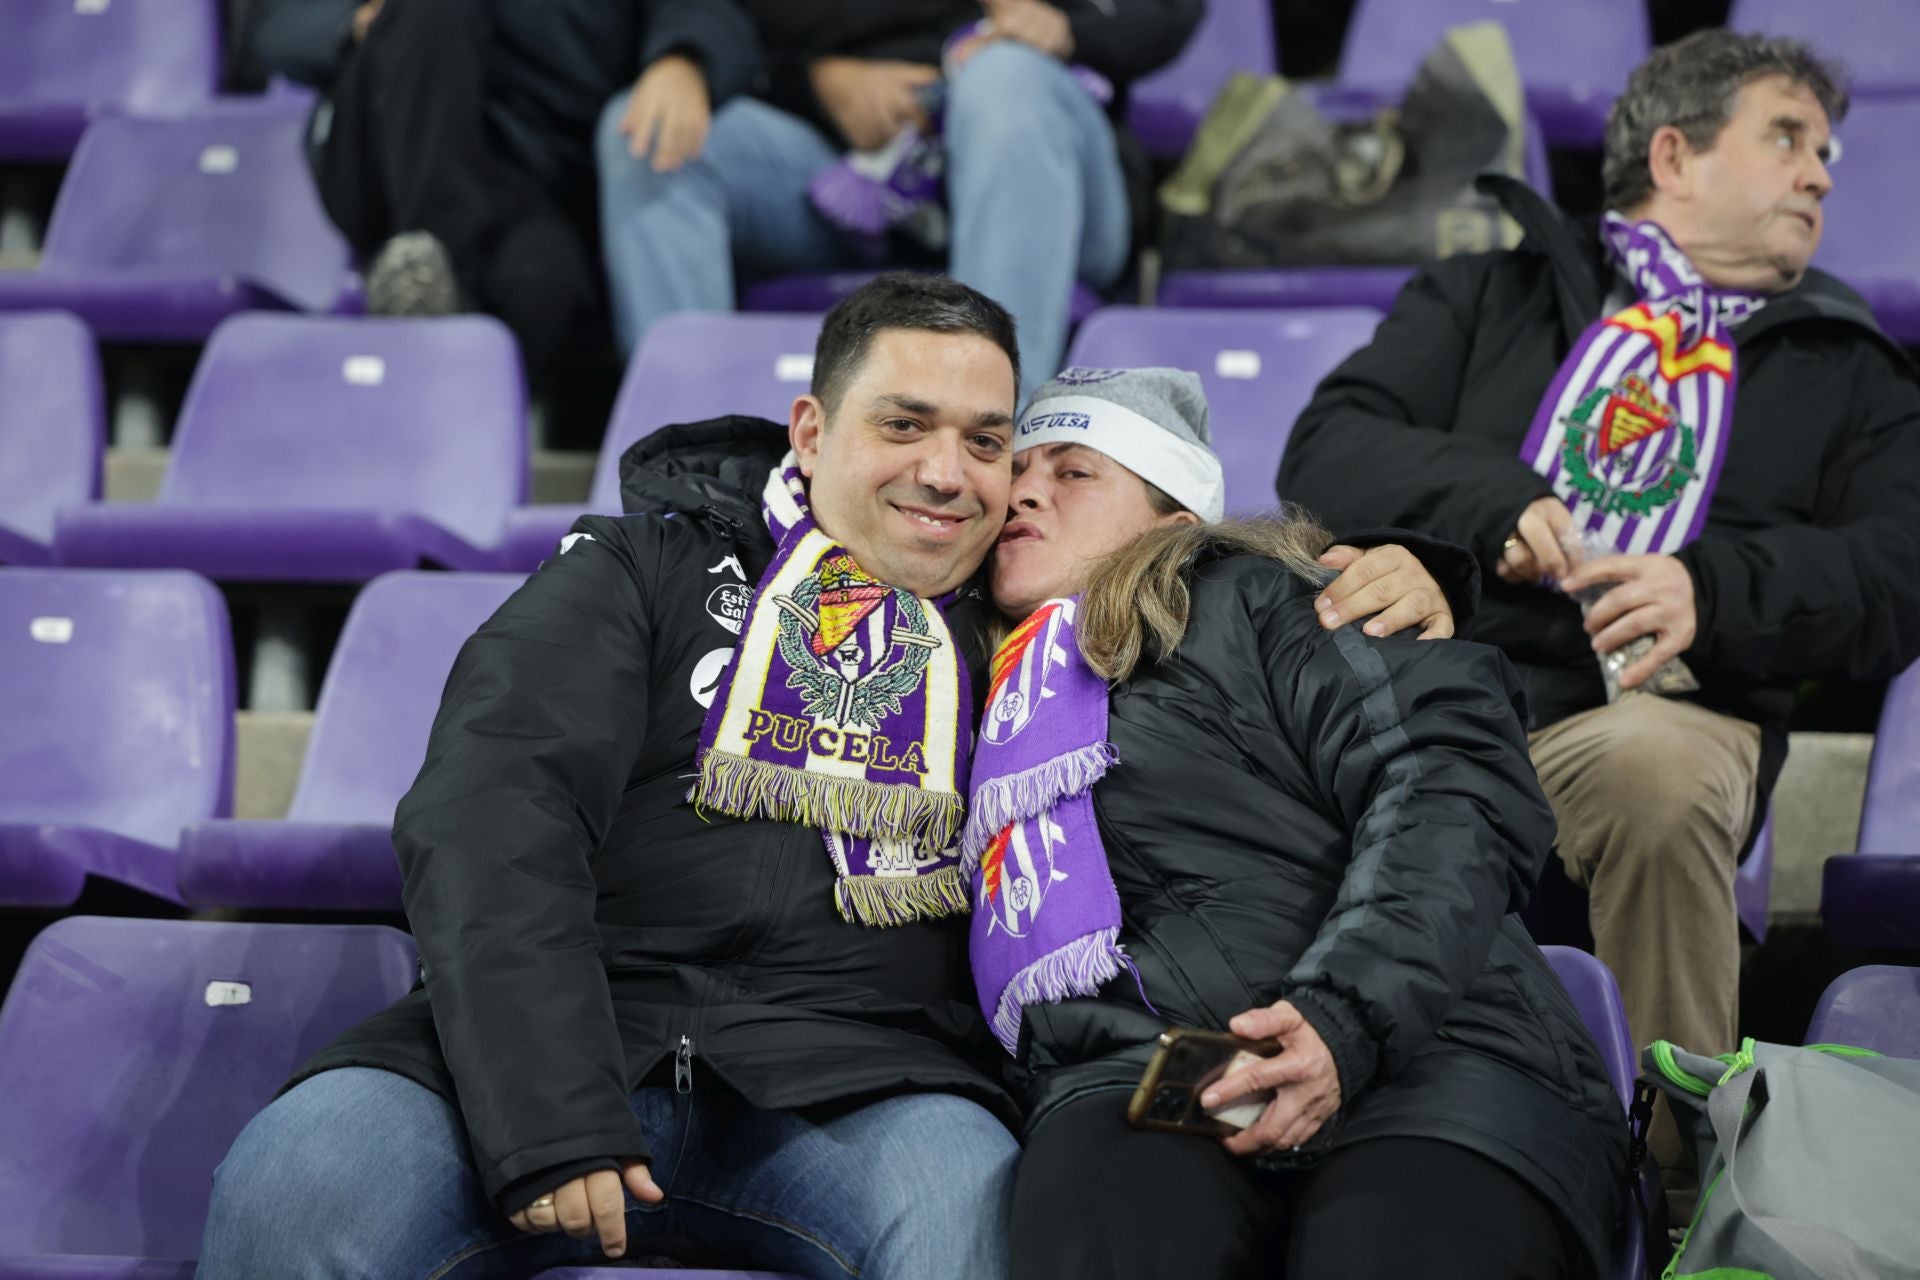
(1692, 84)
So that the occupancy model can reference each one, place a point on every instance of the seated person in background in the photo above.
(1726, 426)
(454, 147)
(1037, 170)
(657, 1022)
(1294, 832)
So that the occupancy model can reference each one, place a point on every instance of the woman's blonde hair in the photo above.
(1137, 604)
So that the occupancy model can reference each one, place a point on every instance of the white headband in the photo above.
(1185, 472)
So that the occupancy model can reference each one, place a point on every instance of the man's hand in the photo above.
(363, 17)
(1534, 552)
(1389, 581)
(668, 114)
(1031, 22)
(1654, 597)
(869, 101)
(1307, 1082)
(592, 1205)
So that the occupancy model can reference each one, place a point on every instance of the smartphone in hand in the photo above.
(1186, 1061)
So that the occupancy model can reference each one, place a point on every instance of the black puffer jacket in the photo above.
(1807, 564)
(580, 924)
(1347, 823)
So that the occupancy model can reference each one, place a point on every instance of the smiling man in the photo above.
(1735, 438)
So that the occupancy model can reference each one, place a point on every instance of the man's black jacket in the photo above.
(580, 924)
(1809, 564)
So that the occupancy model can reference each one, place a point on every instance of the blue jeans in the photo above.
(358, 1173)
(1034, 190)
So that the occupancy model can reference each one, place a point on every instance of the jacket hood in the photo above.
(1579, 269)
(718, 466)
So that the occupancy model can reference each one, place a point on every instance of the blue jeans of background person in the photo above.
(359, 1173)
(1034, 191)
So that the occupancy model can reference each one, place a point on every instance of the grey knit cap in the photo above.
(1151, 421)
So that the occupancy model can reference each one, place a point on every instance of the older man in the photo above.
(1730, 429)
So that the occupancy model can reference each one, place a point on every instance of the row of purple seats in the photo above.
(165, 227)
(1876, 39)
(119, 690)
(64, 63)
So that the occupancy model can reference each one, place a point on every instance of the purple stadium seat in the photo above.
(1259, 368)
(1872, 898)
(1876, 39)
(65, 62)
(817, 293)
(1597, 996)
(1874, 1007)
(318, 449)
(1329, 286)
(1753, 882)
(1870, 240)
(690, 366)
(163, 228)
(1574, 55)
(118, 727)
(334, 851)
(610, 1272)
(132, 1052)
(52, 428)
(1166, 107)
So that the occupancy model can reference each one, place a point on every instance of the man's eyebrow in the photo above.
(992, 418)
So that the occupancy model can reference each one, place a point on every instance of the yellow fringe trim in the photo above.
(889, 900)
(746, 788)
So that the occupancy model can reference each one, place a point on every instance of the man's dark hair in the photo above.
(902, 300)
(1691, 84)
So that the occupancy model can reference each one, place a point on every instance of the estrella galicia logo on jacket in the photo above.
(728, 604)
(854, 645)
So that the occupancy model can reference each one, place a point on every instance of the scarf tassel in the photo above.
(746, 788)
(1080, 968)
(883, 901)
(1001, 802)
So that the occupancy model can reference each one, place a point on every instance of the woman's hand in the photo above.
(591, 1206)
(1306, 1083)
(1388, 581)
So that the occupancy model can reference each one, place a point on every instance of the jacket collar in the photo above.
(716, 469)
(1581, 274)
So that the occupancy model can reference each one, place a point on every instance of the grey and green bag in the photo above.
(1809, 1161)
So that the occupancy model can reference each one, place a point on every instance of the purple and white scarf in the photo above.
(846, 709)
(1634, 428)
(1046, 915)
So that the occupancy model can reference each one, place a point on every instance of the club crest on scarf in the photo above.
(1633, 431)
(844, 710)
(1019, 675)
(1010, 896)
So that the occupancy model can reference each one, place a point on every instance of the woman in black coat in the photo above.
(1319, 835)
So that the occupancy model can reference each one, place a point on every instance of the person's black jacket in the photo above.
(1121, 39)
(580, 924)
(1371, 820)
(1808, 563)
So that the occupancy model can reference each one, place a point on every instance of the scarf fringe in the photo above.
(747, 788)
(891, 900)
(1001, 802)
(1080, 968)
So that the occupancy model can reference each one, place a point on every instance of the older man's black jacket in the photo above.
(581, 926)
(1809, 564)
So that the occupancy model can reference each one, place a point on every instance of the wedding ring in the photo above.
(1513, 540)
(544, 1202)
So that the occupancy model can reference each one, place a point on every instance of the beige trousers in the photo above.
(1654, 798)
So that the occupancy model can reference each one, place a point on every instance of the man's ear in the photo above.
(806, 423)
(1669, 157)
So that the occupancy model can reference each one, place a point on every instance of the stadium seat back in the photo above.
(383, 688)
(64, 63)
(132, 1052)
(1875, 1007)
(52, 427)
(695, 365)
(1876, 39)
(117, 689)
(1259, 369)
(424, 417)
(1870, 239)
(1165, 108)
(1890, 820)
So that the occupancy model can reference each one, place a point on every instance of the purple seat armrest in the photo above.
(321, 866)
